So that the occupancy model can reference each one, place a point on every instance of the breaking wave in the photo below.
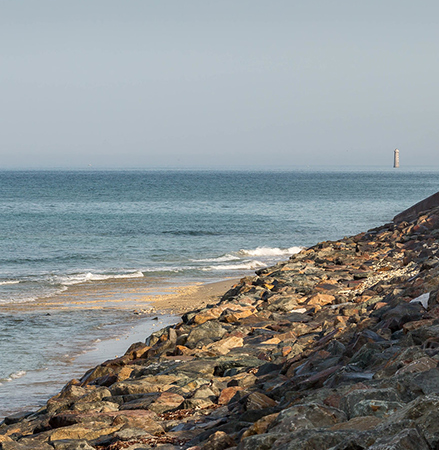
(268, 251)
(14, 376)
(85, 277)
(223, 258)
(245, 265)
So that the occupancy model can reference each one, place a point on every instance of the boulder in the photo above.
(158, 402)
(370, 402)
(305, 416)
(424, 412)
(71, 444)
(218, 441)
(224, 345)
(259, 442)
(410, 439)
(79, 432)
(205, 333)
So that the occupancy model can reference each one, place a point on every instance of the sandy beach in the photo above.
(87, 324)
(167, 309)
(191, 297)
(137, 294)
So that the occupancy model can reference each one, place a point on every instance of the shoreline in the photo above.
(335, 348)
(170, 296)
(187, 298)
(166, 306)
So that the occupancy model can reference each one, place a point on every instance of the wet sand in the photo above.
(140, 295)
(141, 308)
(191, 297)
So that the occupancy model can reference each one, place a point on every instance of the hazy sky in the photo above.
(185, 83)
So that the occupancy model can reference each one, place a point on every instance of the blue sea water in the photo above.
(67, 231)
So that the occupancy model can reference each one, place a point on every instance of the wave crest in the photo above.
(268, 251)
(224, 258)
(85, 277)
(14, 376)
(245, 265)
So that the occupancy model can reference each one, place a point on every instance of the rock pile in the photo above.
(337, 348)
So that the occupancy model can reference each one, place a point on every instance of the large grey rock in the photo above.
(308, 415)
(352, 406)
(425, 382)
(259, 442)
(317, 438)
(424, 334)
(27, 444)
(284, 304)
(410, 439)
(378, 408)
(359, 440)
(424, 411)
(205, 333)
(158, 402)
(71, 444)
(401, 314)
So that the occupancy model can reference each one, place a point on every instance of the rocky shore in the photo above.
(336, 348)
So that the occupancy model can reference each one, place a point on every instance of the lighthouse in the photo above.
(396, 158)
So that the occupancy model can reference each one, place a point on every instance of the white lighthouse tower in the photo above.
(396, 158)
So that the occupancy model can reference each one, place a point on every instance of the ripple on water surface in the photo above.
(44, 344)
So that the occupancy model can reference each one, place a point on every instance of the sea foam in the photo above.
(245, 265)
(86, 277)
(268, 251)
(16, 375)
(224, 258)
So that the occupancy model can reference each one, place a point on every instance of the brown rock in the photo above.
(208, 314)
(167, 401)
(258, 400)
(137, 350)
(286, 350)
(195, 403)
(143, 385)
(27, 443)
(225, 345)
(410, 326)
(363, 423)
(124, 373)
(272, 341)
(181, 350)
(260, 426)
(420, 365)
(242, 379)
(235, 316)
(80, 431)
(379, 305)
(141, 421)
(320, 299)
(218, 441)
(340, 321)
(227, 394)
(333, 400)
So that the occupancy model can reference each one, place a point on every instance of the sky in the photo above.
(218, 84)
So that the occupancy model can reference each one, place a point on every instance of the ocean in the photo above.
(74, 243)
